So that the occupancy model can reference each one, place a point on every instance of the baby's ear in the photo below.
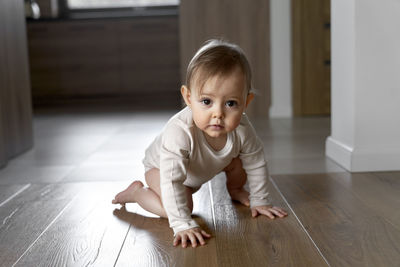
(186, 94)
(249, 98)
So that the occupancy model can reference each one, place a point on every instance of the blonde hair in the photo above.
(217, 57)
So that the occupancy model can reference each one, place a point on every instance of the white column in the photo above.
(365, 85)
(281, 63)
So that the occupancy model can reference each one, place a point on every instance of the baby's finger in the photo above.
(184, 241)
(200, 238)
(176, 240)
(254, 213)
(277, 213)
(267, 213)
(204, 233)
(192, 239)
(281, 211)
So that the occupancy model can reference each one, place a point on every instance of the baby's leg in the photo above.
(236, 178)
(129, 194)
(153, 180)
(147, 197)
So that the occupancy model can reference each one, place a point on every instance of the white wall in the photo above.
(341, 142)
(365, 85)
(281, 73)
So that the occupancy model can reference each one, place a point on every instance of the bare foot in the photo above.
(240, 195)
(128, 195)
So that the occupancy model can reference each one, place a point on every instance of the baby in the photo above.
(210, 135)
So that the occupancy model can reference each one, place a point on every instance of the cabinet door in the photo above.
(149, 55)
(73, 58)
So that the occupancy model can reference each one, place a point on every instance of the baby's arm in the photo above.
(174, 157)
(255, 166)
(259, 196)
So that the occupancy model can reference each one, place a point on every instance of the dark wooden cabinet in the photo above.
(149, 55)
(73, 58)
(104, 57)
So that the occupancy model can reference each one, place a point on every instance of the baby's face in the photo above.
(218, 108)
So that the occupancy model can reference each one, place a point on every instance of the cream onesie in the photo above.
(184, 158)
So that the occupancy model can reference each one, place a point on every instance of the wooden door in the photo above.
(311, 57)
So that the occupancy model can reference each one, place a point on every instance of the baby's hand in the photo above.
(191, 235)
(269, 211)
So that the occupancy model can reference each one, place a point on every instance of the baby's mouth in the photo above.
(216, 126)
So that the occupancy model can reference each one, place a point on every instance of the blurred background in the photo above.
(110, 54)
(134, 53)
(126, 48)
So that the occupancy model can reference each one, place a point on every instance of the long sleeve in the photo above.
(255, 165)
(174, 158)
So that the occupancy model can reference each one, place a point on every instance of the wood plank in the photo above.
(8, 192)
(379, 191)
(392, 179)
(203, 212)
(347, 231)
(26, 216)
(261, 241)
(149, 242)
(87, 233)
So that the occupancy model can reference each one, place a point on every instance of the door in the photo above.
(311, 57)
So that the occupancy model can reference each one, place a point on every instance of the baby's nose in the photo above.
(218, 113)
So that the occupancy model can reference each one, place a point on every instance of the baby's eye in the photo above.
(206, 101)
(231, 103)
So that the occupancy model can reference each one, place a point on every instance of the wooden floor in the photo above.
(55, 201)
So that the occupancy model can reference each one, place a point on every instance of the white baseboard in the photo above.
(339, 152)
(363, 160)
